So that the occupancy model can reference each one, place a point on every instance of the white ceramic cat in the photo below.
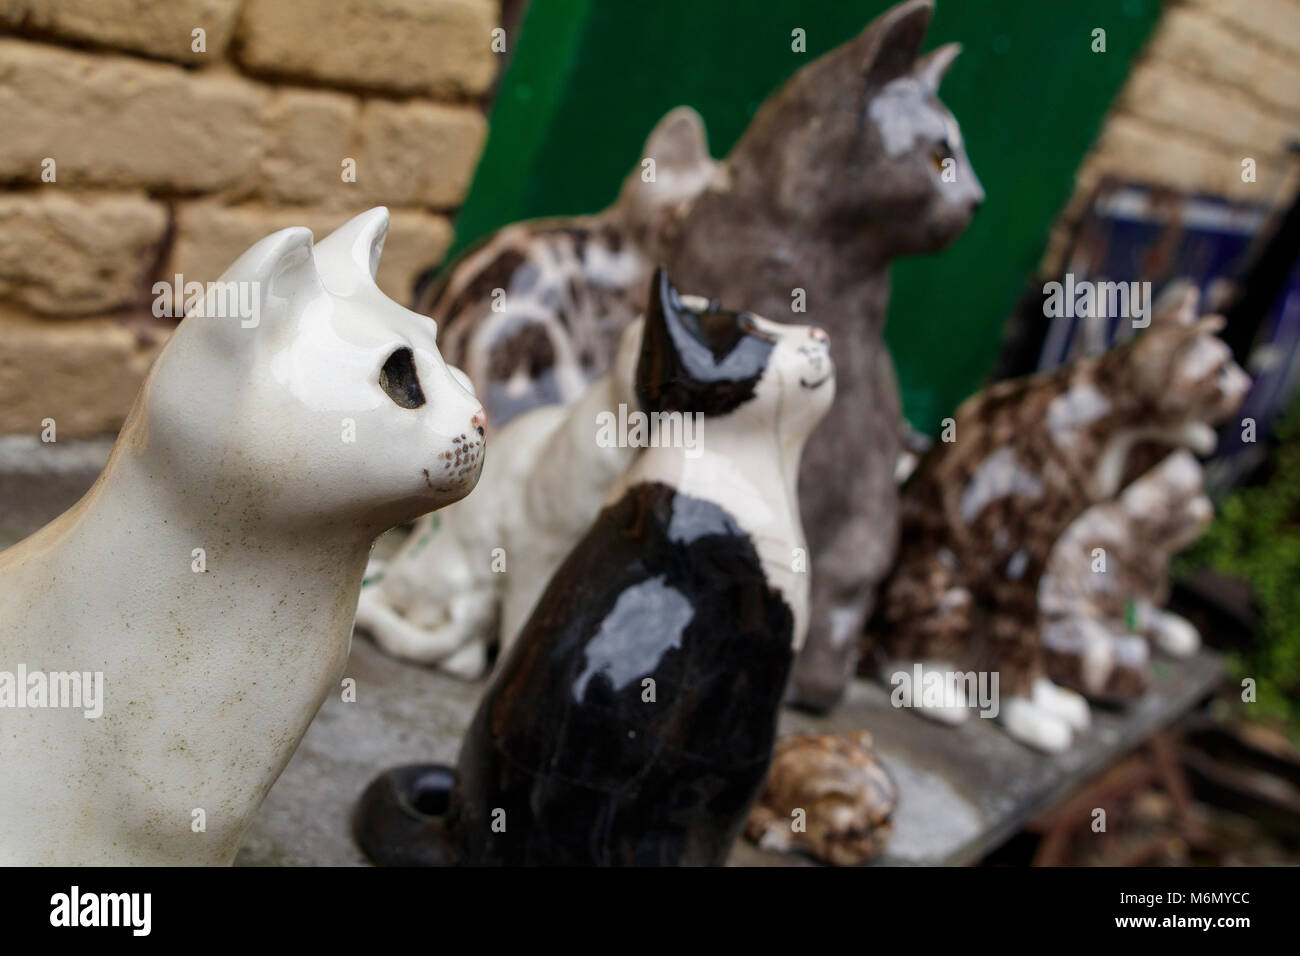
(280, 443)
(469, 576)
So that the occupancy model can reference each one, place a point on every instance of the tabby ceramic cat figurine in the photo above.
(211, 573)
(835, 787)
(468, 576)
(852, 163)
(535, 313)
(1101, 592)
(982, 513)
(634, 718)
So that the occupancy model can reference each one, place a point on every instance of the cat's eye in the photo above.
(399, 380)
(942, 153)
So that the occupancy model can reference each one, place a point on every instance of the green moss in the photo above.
(1256, 537)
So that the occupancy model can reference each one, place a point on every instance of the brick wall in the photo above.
(1219, 82)
(165, 158)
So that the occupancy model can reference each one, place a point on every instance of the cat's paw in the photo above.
(1032, 725)
(1062, 703)
(932, 689)
(1174, 635)
(468, 663)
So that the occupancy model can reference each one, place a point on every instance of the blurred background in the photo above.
(141, 139)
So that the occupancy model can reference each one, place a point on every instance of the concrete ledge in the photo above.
(962, 790)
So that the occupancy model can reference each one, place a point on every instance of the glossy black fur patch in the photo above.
(665, 588)
(707, 362)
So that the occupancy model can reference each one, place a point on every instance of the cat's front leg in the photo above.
(1025, 721)
(1047, 719)
(1064, 703)
(935, 689)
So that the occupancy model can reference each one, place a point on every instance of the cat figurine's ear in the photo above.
(696, 359)
(351, 252)
(677, 362)
(1176, 305)
(889, 47)
(282, 263)
(1173, 310)
(259, 286)
(659, 366)
(930, 69)
(679, 149)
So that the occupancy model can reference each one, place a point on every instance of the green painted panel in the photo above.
(590, 79)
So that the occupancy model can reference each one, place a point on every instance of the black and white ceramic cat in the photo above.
(851, 164)
(633, 721)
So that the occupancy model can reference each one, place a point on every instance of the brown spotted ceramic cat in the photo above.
(852, 163)
(1100, 597)
(536, 311)
(982, 512)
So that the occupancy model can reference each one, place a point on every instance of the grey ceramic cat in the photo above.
(839, 173)
(852, 163)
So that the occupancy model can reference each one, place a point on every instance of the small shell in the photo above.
(843, 789)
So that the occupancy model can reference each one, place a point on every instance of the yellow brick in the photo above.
(1134, 149)
(83, 373)
(309, 133)
(115, 120)
(1275, 23)
(408, 46)
(159, 29)
(419, 153)
(63, 253)
(1168, 95)
(1196, 41)
(211, 236)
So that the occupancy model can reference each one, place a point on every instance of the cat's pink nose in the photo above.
(479, 421)
(818, 335)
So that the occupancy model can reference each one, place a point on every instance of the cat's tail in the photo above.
(399, 820)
